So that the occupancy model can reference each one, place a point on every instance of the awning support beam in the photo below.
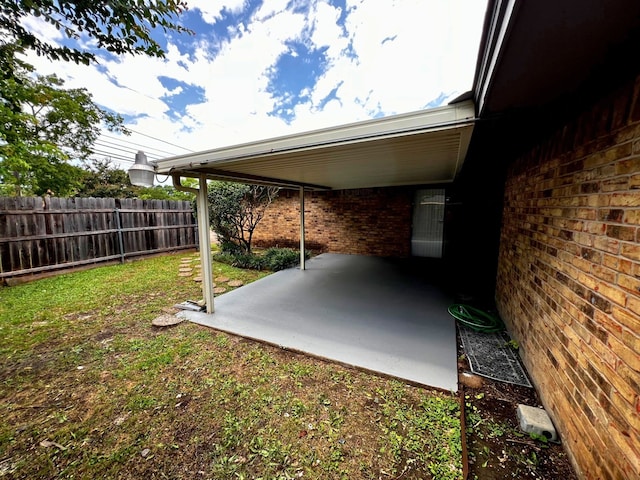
(204, 240)
(302, 265)
(205, 244)
(230, 176)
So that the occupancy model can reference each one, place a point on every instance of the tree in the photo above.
(164, 192)
(236, 209)
(102, 179)
(41, 123)
(118, 26)
(52, 176)
(42, 126)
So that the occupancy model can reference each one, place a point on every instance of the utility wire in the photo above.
(111, 155)
(108, 146)
(139, 146)
(160, 140)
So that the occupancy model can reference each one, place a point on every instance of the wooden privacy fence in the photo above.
(43, 234)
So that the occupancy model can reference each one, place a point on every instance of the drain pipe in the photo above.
(202, 203)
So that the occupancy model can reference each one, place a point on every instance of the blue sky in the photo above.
(257, 69)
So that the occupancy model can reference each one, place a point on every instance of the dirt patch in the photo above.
(496, 446)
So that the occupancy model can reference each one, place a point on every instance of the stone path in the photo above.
(190, 266)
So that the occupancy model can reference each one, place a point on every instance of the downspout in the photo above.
(302, 265)
(204, 239)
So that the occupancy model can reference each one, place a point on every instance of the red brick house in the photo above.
(542, 210)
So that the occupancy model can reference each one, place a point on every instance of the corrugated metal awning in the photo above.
(425, 147)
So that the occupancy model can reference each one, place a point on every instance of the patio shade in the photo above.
(424, 147)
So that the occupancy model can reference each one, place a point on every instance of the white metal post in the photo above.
(205, 244)
(302, 266)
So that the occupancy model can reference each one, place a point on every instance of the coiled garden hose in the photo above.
(476, 319)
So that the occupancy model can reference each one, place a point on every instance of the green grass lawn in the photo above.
(89, 389)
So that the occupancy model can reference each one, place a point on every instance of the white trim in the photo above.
(493, 49)
(435, 119)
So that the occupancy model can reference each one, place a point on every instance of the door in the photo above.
(428, 223)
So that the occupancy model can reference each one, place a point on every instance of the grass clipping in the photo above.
(91, 390)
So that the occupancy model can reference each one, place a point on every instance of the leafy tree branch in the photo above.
(118, 26)
(236, 209)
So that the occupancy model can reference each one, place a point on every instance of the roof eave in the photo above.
(449, 116)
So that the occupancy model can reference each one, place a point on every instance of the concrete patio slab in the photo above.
(373, 313)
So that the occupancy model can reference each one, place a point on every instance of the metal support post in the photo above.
(205, 244)
(302, 265)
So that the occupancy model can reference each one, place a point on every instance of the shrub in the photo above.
(230, 247)
(273, 259)
(249, 261)
(235, 211)
(281, 258)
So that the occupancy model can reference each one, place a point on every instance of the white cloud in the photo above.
(211, 11)
(404, 54)
(42, 30)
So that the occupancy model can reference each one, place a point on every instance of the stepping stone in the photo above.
(197, 279)
(184, 274)
(221, 279)
(236, 283)
(165, 320)
(219, 290)
(185, 269)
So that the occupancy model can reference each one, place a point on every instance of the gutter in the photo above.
(458, 115)
(497, 29)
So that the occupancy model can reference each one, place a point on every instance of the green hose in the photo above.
(475, 318)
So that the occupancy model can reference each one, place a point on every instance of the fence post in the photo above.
(120, 239)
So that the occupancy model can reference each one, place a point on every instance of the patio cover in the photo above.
(424, 147)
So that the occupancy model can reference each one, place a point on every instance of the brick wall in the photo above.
(568, 283)
(365, 221)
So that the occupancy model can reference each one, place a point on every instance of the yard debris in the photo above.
(120, 420)
(48, 443)
(6, 467)
(471, 380)
(145, 452)
(190, 305)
